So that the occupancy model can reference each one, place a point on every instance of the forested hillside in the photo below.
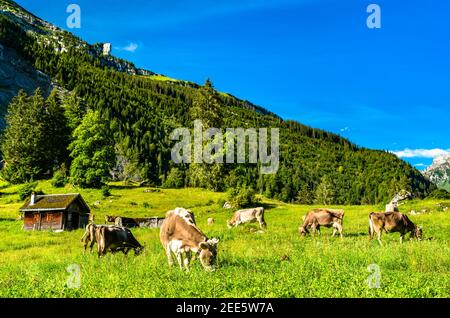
(136, 114)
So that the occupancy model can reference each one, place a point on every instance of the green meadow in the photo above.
(275, 263)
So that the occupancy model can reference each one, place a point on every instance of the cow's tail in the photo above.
(86, 233)
(371, 228)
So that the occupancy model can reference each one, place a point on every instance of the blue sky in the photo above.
(314, 61)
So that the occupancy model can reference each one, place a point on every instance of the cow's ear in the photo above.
(203, 245)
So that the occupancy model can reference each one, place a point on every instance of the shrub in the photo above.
(175, 179)
(106, 191)
(26, 190)
(146, 205)
(220, 203)
(439, 194)
(242, 197)
(58, 180)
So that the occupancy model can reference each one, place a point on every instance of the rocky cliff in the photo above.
(439, 171)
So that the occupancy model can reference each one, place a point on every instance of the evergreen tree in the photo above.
(206, 107)
(74, 110)
(56, 130)
(305, 195)
(35, 139)
(92, 150)
(325, 193)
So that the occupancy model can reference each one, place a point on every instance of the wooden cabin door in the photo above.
(37, 221)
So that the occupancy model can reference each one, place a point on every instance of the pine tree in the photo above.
(74, 110)
(35, 139)
(57, 130)
(325, 193)
(305, 195)
(92, 150)
(206, 107)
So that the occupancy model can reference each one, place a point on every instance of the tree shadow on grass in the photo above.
(355, 234)
(268, 206)
(123, 187)
(8, 219)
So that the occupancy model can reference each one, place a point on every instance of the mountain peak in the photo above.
(439, 171)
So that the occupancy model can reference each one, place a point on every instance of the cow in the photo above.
(180, 236)
(116, 238)
(149, 222)
(211, 221)
(322, 217)
(89, 236)
(392, 222)
(248, 216)
(111, 218)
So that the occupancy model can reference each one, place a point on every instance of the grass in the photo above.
(276, 263)
(163, 78)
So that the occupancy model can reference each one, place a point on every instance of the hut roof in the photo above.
(53, 202)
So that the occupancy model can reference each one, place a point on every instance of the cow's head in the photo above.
(230, 224)
(417, 233)
(138, 250)
(302, 230)
(208, 254)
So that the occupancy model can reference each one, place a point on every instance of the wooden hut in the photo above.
(55, 212)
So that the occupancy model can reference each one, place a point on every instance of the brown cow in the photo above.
(89, 236)
(392, 222)
(116, 238)
(322, 217)
(180, 236)
(248, 216)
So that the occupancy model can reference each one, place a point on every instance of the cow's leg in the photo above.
(186, 260)
(91, 246)
(262, 223)
(401, 238)
(169, 256)
(379, 237)
(334, 230)
(179, 259)
(338, 227)
(314, 229)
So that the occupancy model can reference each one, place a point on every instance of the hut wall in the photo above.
(51, 220)
(31, 221)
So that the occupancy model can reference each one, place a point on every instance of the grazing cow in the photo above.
(211, 221)
(392, 222)
(180, 236)
(116, 238)
(89, 235)
(248, 216)
(322, 217)
(149, 222)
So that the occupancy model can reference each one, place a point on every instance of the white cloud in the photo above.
(421, 153)
(131, 47)
(345, 129)
(420, 165)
